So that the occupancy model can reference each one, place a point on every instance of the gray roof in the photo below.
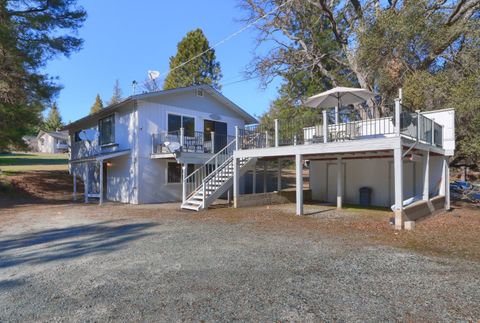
(216, 94)
(62, 135)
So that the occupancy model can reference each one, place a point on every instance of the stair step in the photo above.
(189, 207)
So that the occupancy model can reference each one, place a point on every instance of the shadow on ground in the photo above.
(67, 243)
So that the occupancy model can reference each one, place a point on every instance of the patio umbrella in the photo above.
(338, 96)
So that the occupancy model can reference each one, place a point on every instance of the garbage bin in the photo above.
(365, 196)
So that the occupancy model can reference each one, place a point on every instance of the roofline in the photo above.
(109, 109)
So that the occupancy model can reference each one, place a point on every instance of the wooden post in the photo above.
(266, 139)
(325, 126)
(184, 183)
(237, 140)
(100, 200)
(299, 184)
(339, 183)
(419, 125)
(398, 173)
(254, 179)
(182, 137)
(336, 115)
(236, 182)
(447, 183)
(433, 132)
(277, 139)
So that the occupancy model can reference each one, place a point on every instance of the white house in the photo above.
(52, 142)
(130, 152)
(193, 145)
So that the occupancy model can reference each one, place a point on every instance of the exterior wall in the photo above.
(49, 144)
(374, 173)
(120, 183)
(445, 117)
(436, 172)
(152, 175)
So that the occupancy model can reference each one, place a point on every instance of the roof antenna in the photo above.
(153, 75)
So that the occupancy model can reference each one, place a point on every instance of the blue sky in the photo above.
(124, 39)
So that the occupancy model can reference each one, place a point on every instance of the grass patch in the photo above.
(23, 162)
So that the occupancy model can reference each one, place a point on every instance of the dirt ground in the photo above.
(70, 261)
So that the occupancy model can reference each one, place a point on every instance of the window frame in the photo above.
(187, 132)
(190, 169)
(111, 139)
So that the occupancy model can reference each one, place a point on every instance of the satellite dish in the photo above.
(153, 75)
(88, 135)
(172, 146)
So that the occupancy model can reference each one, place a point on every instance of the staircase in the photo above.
(214, 178)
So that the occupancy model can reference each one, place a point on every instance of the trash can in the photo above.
(365, 196)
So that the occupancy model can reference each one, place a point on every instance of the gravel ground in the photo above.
(154, 263)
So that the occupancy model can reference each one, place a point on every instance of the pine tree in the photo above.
(97, 106)
(32, 33)
(117, 94)
(202, 70)
(54, 120)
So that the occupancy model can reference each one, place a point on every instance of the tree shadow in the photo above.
(67, 243)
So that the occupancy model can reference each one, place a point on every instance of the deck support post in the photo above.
(264, 176)
(279, 175)
(237, 138)
(299, 184)
(184, 183)
(336, 114)
(277, 139)
(86, 182)
(100, 200)
(339, 183)
(74, 186)
(398, 174)
(236, 181)
(426, 175)
(254, 179)
(325, 126)
(445, 182)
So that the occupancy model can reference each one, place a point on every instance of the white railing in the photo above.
(194, 181)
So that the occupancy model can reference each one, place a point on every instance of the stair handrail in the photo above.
(201, 172)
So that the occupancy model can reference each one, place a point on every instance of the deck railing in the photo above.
(317, 129)
(196, 142)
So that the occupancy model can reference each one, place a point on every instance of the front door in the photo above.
(220, 130)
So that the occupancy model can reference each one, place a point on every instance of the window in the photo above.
(106, 127)
(175, 122)
(174, 172)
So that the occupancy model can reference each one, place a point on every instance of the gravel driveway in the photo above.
(155, 263)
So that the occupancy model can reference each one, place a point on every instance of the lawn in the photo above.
(21, 162)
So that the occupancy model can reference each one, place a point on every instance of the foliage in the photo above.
(201, 70)
(97, 105)
(117, 94)
(54, 120)
(377, 45)
(31, 33)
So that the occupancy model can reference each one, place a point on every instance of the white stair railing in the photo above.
(194, 181)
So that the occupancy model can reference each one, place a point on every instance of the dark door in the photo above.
(220, 130)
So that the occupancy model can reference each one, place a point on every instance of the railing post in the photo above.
(212, 139)
(295, 140)
(433, 132)
(398, 111)
(266, 139)
(204, 194)
(276, 133)
(325, 126)
(418, 125)
(182, 137)
(237, 138)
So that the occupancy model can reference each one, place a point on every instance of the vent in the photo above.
(200, 93)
